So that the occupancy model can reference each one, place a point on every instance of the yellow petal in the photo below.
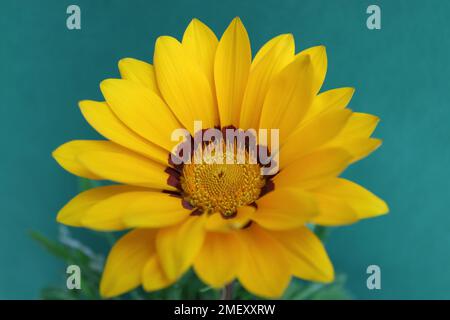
(330, 100)
(318, 56)
(112, 213)
(215, 222)
(269, 60)
(313, 168)
(362, 201)
(126, 167)
(67, 155)
(155, 210)
(178, 245)
(289, 97)
(201, 43)
(141, 110)
(286, 45)
(183, 85)
(101, 118)
(333, 211)
(354, 137)
(231, 69)
(307, 256)
(284, 208)
(360, 125)
(312, 135)
(123, 269)
(72, 213)
(140, 72)
(358, 148)
(265, 268)
(153, 276)
(219, 259)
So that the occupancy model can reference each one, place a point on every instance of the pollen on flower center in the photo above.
(221, 187)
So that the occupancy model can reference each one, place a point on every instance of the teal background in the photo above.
(400, 73)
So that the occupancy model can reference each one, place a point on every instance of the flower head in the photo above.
(219, 212)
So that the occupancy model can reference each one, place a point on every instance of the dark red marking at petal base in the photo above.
(186, 204)
(171, 193)
(254, 205)
(247, 225)
(268, 187)
(197, 212)
(174, 178)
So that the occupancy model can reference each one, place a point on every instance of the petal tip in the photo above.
(105, 292)
(59, 219)
(165, 39)
(196, 21)
(329, 274)
(384, 208)
(123, 61)
(288, 36)
(57, 154)
(54, 154)
(104, 84)
(84, 104)
(67, 219)
(122, 64)
(236, 24)
(237, 19)
(319, 49)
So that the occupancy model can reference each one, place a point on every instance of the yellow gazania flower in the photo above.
(226, 226)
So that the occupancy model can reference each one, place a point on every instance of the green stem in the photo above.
(227, 292)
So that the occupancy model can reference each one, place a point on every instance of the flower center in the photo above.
(221, 186)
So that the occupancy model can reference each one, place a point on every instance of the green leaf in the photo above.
(300, 290)
(58, 249)
(52, 293)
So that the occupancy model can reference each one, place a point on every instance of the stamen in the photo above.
(221, 186)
